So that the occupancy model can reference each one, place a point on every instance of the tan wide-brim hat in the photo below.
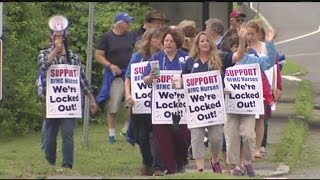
(156, 15)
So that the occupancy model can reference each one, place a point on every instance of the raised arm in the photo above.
(268, 61)
(238, 55)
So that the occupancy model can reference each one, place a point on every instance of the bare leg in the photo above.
(259, 128)
(111, 120)
(126, 124)
(200, 163)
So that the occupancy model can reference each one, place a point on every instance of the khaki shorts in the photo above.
(116, 95)
(215, 136)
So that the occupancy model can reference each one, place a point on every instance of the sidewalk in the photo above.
(265, 167)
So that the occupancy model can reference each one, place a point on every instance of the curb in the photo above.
(72, 177)
(280, 171)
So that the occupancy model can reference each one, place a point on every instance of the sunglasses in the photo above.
(239, 20)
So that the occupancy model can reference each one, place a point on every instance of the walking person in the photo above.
(149, 45)
(258, 48)
(240, 127)
(153, 19)
(173, 144)
(204, 57)
(58, 53)
(275, 93)
(113, 52)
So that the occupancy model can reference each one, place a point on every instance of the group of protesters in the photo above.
(164, 147)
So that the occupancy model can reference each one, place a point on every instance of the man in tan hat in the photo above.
(153, 19)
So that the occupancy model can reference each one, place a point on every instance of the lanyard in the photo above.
(164, 60)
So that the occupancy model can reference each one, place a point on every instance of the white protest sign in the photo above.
(140, 92)
(270, 75)
(167, 101)
(63, 98)
(245, 86)
(205, 99)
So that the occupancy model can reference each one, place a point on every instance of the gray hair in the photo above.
(216, 24)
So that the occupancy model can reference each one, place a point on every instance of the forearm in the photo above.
(271, 52)
(238, 55)
(91, 97)
(52, 55)
(101, 59)
(45, 60)
(127, 86)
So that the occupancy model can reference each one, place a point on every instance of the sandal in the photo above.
(257, 156)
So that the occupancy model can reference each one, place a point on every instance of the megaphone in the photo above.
(58, 23)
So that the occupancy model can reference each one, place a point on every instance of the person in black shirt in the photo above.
(114, 51)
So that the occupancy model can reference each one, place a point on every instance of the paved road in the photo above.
(292, 20)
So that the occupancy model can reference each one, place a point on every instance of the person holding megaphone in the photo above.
(51, 59)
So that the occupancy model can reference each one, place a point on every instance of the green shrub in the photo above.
(25, 32)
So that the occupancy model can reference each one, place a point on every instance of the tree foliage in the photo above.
(25, 32)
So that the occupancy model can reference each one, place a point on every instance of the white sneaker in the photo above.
(263, 151)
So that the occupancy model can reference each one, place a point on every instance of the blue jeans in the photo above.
(67, 131)
(130, 132)
(43, 135)
(142, 125)
(155, 150)
(265, 135)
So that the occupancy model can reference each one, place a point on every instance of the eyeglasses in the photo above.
(239, 20)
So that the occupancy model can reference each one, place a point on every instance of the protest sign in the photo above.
(167, 101)
(245, 86)
(205, 99)
(63, 98)
(140, 92)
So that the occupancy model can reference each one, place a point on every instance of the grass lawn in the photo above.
(291, 68)
(21, 157)
(292, 140)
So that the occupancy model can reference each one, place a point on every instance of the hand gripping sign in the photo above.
(205, 101)
(245, 86)
(63, 98)
(166, 101)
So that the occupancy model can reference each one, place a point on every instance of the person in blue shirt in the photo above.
(142, 123)
(173, 145)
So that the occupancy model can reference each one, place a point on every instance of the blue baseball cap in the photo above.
(122, 16)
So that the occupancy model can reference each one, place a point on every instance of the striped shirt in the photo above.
(74, 59)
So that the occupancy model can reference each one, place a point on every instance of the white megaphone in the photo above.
(58, 23)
